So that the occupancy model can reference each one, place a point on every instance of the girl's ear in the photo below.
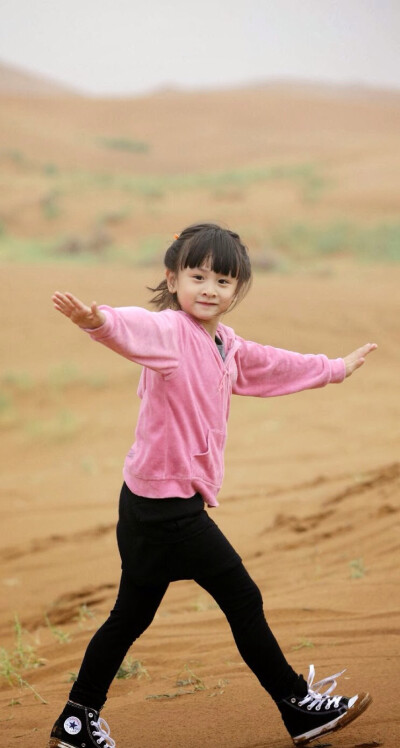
(171, 280)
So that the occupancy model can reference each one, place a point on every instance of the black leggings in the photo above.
(238, 597)
(161, 541)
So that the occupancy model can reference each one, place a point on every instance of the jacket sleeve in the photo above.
(148, 338)
(264, 371)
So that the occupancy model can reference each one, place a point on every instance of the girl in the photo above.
(192, 363)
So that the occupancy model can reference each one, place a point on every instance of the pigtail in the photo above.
(163, 298)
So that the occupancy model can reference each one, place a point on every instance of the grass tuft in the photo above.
(303, 643)
(125, 144)
(357, 568)
(61, 636)
(187, 683)
(190, 679)
(84, 614)
(131, 669)
(22, 658)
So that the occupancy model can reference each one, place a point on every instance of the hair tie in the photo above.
(176, 236)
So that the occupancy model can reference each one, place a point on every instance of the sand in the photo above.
(311, 492)
(310, 500)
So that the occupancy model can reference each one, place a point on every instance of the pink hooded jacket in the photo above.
(186, 387)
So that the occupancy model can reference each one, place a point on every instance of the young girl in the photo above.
(192, 363)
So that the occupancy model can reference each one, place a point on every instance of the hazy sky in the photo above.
(133, 46)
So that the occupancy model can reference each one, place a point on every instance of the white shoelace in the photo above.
(103, 733)
(314, 698)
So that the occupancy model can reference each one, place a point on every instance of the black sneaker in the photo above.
(80, 727)
(312, 714)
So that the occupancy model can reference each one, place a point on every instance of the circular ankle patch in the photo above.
(72, 725)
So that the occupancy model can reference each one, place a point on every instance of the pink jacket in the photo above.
(186, 387)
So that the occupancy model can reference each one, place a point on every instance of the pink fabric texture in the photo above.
(185, 390)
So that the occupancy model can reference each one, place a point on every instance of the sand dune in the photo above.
(311, 500)
(16, 81)
(262, 159)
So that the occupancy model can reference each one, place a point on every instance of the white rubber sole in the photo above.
(360, 705)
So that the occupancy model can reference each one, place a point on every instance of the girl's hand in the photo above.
(77, 311)
(357, 358)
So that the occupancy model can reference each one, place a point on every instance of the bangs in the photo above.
(217, 248)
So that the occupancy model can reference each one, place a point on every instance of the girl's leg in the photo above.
(240, 599)
(133, 612)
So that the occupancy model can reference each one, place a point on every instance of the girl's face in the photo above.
(203, 294)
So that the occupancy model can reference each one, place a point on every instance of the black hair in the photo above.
(201, 243)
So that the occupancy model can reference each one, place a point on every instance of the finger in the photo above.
(61, 297)
(362, 352)
(76, 303)
(58, 297)
(61, 303)
(367, 348)
(353, 365)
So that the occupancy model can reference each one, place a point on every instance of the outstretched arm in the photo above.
(150, 339)
(88, 317)
(357, 358)
(264, 371)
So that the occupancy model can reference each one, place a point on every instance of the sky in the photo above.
(130, 47)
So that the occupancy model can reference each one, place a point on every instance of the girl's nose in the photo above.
(209, 289)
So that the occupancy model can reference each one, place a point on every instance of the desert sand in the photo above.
(311, 492)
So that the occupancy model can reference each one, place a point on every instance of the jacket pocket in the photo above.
(209, 465)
